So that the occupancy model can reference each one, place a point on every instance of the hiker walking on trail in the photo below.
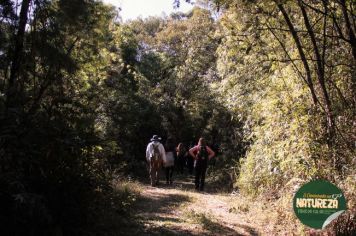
(202, 154)
(155, 154)
(181, 157)
(169, 160)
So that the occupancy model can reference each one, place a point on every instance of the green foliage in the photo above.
(173, 73)
(265, 86)
(52, 171)
(281, 146)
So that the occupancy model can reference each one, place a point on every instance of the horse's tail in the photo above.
(157, 162)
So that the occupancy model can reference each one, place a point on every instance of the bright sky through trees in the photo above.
(131, 9)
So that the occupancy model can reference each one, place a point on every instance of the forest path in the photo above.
(180, 210)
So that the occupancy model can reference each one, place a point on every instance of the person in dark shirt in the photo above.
(181, 157)
(202, 154)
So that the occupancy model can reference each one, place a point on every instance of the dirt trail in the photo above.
(179, 210)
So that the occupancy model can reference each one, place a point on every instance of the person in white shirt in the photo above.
(155, 155)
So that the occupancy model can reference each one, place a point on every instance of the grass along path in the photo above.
(179, 210)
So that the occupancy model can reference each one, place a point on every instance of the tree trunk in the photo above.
(320, 72)
(350, 31)
(300, 51)
(17, 54)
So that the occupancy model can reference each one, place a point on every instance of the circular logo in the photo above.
(318, 202)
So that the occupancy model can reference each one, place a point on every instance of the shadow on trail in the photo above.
(215, 228)
(153, 214)
(156, 203)
(180, 181)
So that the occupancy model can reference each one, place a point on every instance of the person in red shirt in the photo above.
(201, 154)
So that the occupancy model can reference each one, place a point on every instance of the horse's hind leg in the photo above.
(152, 174)
(157, 173)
